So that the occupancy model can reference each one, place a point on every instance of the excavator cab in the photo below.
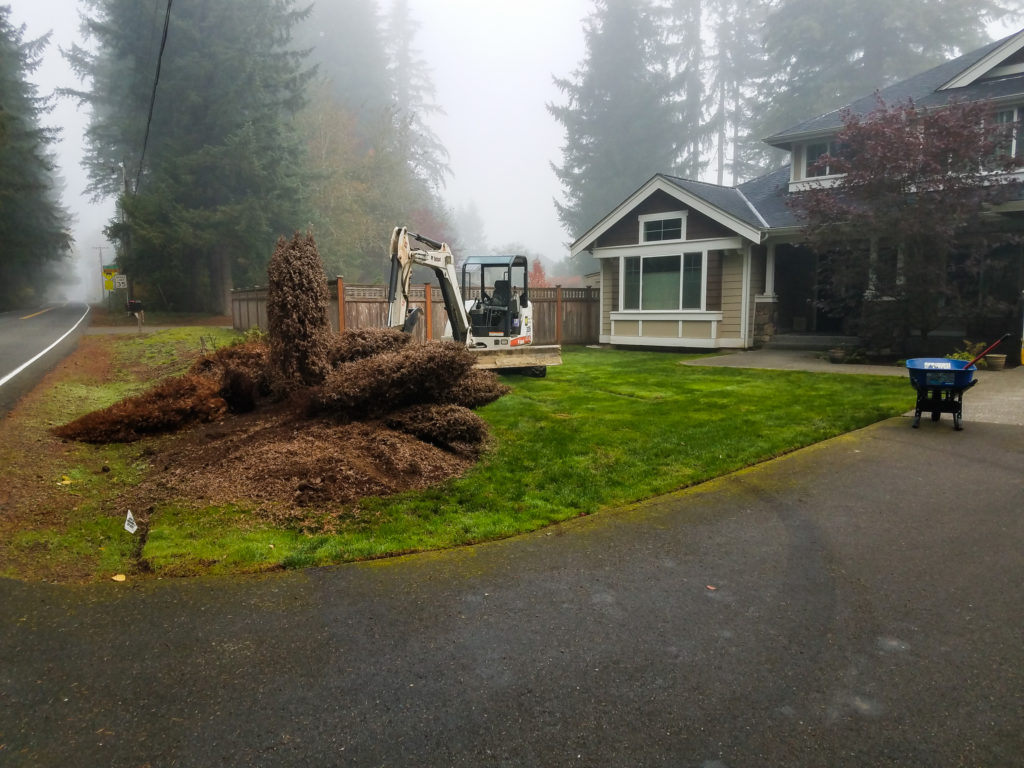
(500, 300)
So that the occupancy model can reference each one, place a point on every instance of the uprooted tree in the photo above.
(902, 230)
(366, 412)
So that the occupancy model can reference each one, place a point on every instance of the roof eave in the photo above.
(662, 182)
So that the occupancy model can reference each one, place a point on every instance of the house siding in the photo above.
(732, 296)
(610, 294)
(627, 230)
(714, 282)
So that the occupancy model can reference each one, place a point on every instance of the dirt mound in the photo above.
(273, 458)
(391, 415)
(306, 418)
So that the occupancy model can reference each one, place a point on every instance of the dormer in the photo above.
(993, 74)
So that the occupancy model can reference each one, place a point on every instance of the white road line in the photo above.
(23, 366)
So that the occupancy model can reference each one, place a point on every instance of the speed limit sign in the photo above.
(120, 281)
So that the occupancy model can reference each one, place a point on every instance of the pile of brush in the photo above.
(424, 389)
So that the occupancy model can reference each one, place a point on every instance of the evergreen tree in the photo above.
(414, 96)
(686, 20)
(621, 126)
(826, 53)
(376, 161)
(346, 42)
(33, 225)
(737, 69)
(223, 167)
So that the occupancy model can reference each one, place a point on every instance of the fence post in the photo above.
(427, 291)
(558, 315)
(341, 304)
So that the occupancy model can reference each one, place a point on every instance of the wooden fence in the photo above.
(560, 315)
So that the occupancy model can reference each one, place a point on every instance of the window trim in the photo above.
(831, 144)
(1016, 138)
(664, 216)
(682, 254)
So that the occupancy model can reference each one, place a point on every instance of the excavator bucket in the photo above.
(518, 357)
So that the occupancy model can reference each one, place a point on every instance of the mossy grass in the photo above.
(607, 428)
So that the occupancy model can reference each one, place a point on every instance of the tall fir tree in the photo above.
(688, 61)
(223, 170)
(346, 42)
(34, 227)
(621, 126)
(826, 53)
(415, 100)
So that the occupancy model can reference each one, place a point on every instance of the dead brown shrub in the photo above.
(170, 405)
(476, 389)
(297, 322)
(366, 342)
(242, 372)
(446, 426)
(422, 373)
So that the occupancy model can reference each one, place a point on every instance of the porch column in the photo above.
(769, 271)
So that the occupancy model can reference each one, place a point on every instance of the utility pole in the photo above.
(102, 285)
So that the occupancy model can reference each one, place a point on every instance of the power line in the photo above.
(152, 98)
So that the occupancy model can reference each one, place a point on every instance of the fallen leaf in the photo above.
(119, 577)
(712, 588)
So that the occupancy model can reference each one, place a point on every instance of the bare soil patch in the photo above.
(32, 496)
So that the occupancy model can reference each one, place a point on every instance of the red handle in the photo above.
(1005, 336)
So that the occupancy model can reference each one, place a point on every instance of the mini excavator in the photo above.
(496, 324)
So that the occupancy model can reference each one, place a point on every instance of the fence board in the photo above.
(365, 306)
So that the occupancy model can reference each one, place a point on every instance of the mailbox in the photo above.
(134, 305)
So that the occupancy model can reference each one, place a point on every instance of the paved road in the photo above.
(32, 342)
(858, 603)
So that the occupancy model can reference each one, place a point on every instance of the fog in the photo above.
(492, 65)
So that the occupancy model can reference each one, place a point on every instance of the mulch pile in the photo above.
(390, 415)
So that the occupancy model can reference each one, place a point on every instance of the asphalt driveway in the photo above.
(857, 603)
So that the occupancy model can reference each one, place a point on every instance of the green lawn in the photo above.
(607, 428)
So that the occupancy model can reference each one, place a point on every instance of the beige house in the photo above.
(696, 265)
(686, 264)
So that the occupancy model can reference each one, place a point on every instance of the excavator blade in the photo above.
(518, 357)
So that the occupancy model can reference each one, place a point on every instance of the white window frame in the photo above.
(665, 216)
(830, 144)
(694, 250)
(1015, 118)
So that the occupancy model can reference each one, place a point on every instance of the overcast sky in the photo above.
(492, 65)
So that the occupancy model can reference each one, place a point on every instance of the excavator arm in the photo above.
(440, 260)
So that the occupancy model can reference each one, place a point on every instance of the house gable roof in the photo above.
(959, 79)
(726, 205)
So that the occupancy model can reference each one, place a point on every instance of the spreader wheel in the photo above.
(936, 415)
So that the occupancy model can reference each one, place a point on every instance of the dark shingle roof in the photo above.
(768, 195)
(923, 89)
(726, 199)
